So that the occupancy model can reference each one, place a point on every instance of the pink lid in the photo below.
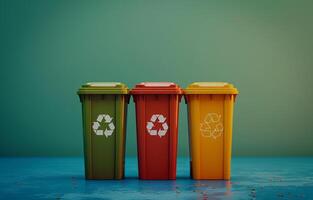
(156, 88)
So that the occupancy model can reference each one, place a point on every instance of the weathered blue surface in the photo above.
(62, 178)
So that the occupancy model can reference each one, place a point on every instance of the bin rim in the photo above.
(210, 88)
(103, 88)
(156, 88)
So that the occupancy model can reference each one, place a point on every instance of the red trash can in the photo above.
(157, 106)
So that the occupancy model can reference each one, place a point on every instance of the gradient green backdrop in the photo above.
(49, 48)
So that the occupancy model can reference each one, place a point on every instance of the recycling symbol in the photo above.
(155, 119)
(107, 121)
(212, 126)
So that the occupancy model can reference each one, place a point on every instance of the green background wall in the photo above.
(49, 48)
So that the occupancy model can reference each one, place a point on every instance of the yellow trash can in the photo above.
(210, 118)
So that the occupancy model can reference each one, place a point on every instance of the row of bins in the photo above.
(210, 117)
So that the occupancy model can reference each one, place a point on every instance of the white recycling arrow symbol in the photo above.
(106, 119)
(157, 118)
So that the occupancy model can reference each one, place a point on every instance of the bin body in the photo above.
(104, 111)
(157, 107)
(210, 119)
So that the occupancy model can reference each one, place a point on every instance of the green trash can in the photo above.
(104, 109)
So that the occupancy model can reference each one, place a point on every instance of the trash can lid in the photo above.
(210, 88)
(103, 88)
(156, 88)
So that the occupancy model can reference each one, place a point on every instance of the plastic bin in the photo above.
(157, 106)
(104, 109)
(210, 119)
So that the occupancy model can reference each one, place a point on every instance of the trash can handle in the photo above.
(127, 98)
(180, 97)
(186, 99)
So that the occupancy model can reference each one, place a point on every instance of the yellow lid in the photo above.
(210, 88)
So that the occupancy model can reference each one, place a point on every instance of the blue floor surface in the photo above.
(63, 178)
